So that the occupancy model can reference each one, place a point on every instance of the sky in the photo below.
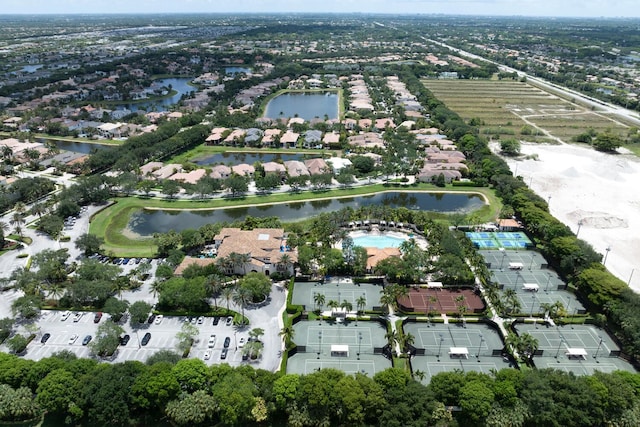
(558, 8)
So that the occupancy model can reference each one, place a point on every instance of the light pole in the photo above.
(630, 276)
(595, 356)
(235, 339)
(546, 287)
(579, 225)
(504, 255)
(608, 249)
(359, 343)
(319, 343)
(531, 263)
(440, 346)
(479, 347)
(515, 285)
(559, 345)
(533, 303)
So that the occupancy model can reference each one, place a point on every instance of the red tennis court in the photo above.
(440, 300)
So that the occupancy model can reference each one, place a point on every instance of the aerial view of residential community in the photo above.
(282, 217)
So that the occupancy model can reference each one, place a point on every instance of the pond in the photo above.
(147, 222)
(231, 158)
(79, 147)
(305, 105)
(237, 70)
(178, 84)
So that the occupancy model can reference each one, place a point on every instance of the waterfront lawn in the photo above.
(110, 222)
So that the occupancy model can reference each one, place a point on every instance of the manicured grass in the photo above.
(110, 222)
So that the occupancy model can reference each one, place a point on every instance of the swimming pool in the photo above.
(380, 241)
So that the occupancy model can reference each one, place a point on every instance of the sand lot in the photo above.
(601, 190)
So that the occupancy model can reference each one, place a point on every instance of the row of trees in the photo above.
(188, 392)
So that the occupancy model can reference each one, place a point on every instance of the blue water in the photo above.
(379, 241)
(147, 222)
(304, 105)
(237, 70)
(180, 85)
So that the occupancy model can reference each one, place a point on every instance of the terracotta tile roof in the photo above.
(262, 244)
(187, 261)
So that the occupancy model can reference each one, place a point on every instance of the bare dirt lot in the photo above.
(600, 190)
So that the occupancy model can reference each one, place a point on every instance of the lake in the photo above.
(305, 105)
(237, 70)
(232, 159)
(179, 84)
(147, 222)
(79, 147)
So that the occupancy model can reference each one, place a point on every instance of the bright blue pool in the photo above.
(380, 241)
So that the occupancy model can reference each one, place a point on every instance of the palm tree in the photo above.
(287, 333)
(361, 302)
(391, 337)
(155, 287)
(225, 263)
(511, 301)
(318, 299)
(346, 305)
(39, 209)
(333, 304)
(242, 296)
(17, 220)
(420, 375)
(244, 260)
(285, 262)
(213, 287)
(227, 295)
(409, 339)
(20, 208)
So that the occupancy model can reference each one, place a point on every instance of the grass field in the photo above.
(110, 223)
(505, 107)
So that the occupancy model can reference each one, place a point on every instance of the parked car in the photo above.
(245, 356)
(73, 338)
(227, 341)
(200, 320)
(65, 315)
(212, 341)
(151, 318)
(45, 338)
(223, 355)
(216, 320)
(124, 340)
(229, 321)
(77, 317)
(86, 340)
(241, 342)
(207, 355)
(146, 338)
(97, 317)
(159, 318)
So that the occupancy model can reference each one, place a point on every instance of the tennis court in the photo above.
(424, 300)
(503, 239)
(349, 346)
(336, 289)
(446, 347)
(525, 272)
(581, 349)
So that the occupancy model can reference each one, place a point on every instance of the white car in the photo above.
(241, 342)
(207, 355)
(158, 319)
(212, 341)
(200, 320)
(65, 315)
(73, 338)
(77, 317)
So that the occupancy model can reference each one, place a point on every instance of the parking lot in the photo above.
(163, 337)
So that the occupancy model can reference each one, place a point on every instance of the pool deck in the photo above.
(396, 234)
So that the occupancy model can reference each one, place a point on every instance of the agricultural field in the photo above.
(508, 108)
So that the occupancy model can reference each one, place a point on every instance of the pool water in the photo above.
(380, 241)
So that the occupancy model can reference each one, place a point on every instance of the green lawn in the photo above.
(110, 222)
